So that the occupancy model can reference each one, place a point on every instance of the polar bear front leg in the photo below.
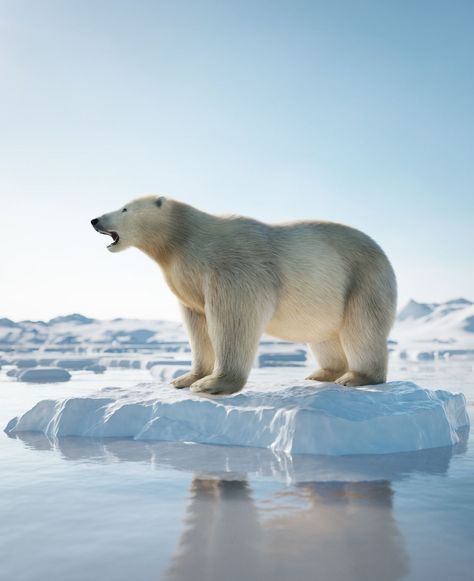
(201, 348)
(235, 328)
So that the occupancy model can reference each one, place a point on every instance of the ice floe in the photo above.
(290, 419)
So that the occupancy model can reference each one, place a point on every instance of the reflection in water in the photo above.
(239, 463)
(317, 531)
(347, 531)
(222, 536)
(334, 522)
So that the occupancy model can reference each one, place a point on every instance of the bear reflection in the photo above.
(313, 531)
(328, 531)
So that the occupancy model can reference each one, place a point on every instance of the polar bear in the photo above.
(321, 283)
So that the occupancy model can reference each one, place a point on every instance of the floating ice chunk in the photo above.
(302, 419)
(292, 357)
(43, 375)
(97, 368)
(168, 373)
(424, 356)
(26, 363)
(77, 363)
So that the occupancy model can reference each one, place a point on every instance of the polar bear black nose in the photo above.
(94, 221)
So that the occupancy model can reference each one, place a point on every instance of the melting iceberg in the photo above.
(292, 419)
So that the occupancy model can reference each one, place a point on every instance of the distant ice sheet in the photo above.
(293, 419)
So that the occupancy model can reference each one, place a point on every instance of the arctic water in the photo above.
(78, 508)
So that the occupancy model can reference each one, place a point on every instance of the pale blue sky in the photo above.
(354, 111)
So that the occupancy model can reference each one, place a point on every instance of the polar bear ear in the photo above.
(159, 201)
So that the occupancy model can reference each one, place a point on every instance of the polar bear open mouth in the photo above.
(114, 235)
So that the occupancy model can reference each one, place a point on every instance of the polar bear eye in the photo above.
(124, 210)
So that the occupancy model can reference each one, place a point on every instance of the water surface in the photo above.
(79, 509)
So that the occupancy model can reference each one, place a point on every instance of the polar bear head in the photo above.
(135, 223)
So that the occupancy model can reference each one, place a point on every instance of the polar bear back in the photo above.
(321, 263)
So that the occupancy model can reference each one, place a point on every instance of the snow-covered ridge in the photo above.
(430, 330)
(413, 310)
(290, 419)
(73, 330)
(422, 331)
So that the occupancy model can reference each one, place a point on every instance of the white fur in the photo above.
(317, 282)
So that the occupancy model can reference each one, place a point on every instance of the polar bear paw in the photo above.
(356, 379)
(218, 385)
(326, 375)
(186, 380)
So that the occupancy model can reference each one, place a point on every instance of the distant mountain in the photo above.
(419, 326)
(8, 323)
(414, 310)
(74, 318)
(448, 323)
(459, 302)
(76, 329)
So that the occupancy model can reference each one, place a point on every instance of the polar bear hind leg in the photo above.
(367, 321)
(331, 358)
